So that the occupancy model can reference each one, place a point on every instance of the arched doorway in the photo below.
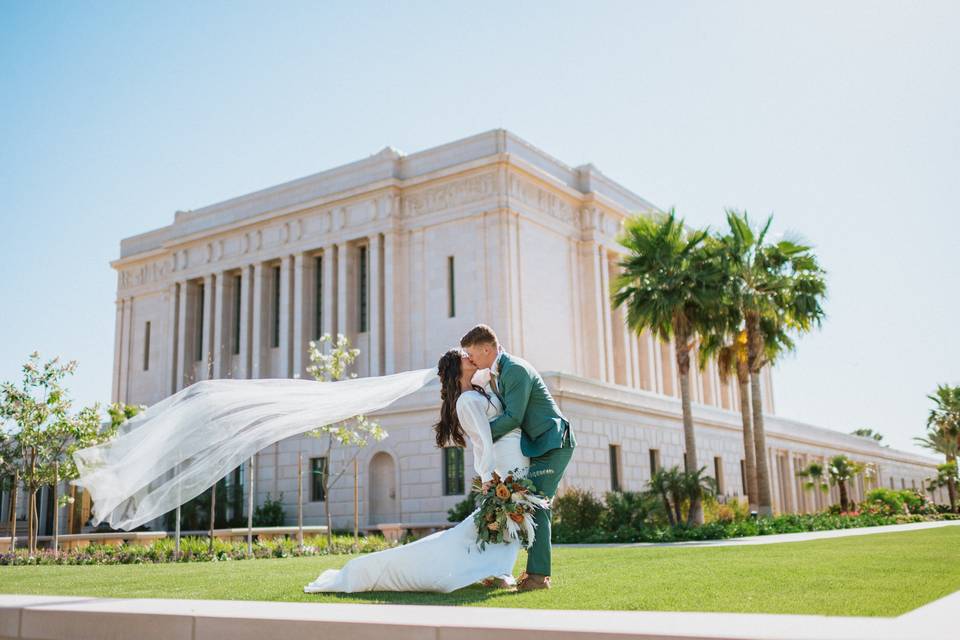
(383, 489)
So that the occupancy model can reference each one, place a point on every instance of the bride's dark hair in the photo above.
(448, 429)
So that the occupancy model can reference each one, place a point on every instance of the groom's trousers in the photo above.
(545, 473)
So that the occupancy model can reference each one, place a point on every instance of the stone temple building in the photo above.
(403, 253)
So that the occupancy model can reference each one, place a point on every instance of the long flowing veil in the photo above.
(180, 446)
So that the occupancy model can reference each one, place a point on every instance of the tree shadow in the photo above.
(467, 595)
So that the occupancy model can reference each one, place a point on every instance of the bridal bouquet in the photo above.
(505, 510)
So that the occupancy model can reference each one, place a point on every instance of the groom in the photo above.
(546, 437)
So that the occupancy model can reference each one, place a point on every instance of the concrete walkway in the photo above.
(78, 618)
(777, 538)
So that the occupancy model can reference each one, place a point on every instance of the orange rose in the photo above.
(517, 517)
(493, 526)
(502, 492)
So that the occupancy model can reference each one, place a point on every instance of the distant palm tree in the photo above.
(868, 433)
(943, 431)
(778, 287)
(843, 470)
(662, 483)
(671, 284)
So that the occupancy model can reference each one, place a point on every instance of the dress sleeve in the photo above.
(471, 409)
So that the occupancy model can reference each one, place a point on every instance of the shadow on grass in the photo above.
(467, 595)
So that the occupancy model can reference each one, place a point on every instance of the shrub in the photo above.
(270, 513)
(576, 514)
(626, 510)
(462, 510)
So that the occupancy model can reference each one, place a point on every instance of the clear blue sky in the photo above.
(842, 119)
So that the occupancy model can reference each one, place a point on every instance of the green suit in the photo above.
(546, 438)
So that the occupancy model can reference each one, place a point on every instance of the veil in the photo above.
(180, 446)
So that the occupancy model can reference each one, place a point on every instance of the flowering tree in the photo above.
(40, 433)
(354, 433)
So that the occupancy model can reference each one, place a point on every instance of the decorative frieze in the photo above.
(450, 195)
(149, 273)
(542, 200)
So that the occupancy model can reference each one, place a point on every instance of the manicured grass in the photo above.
(872, 575)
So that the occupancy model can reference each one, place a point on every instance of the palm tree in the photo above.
(730, 353)
(839, 471)
(777, 287)
(943, 431)
(868, 433)
(671, 284)
(696, 485)
(661, 484)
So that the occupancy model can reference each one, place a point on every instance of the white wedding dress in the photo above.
(446, 560)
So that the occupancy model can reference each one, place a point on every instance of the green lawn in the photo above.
(872, 575)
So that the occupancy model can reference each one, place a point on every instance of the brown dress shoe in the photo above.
(532, 582)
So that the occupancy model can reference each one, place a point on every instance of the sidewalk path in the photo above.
(776, 538)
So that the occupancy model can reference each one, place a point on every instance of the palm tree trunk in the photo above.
(764, 501)
(844, 500)
(689, 436)
(952, 486)
(749, 455)
(666, 506)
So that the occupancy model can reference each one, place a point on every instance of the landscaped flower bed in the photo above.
(195, 549)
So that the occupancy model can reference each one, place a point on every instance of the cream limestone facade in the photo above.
(404, 253)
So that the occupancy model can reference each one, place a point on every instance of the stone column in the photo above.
(389, 335)
(219, 341)
(329, 264)
(375, 325)
(791, 470)
(182, 336)
(244, 293)
(286, 267)
(299, 317)
(607, 319)
(599, 304)
(172, 335)
(117, 353)
(127, 307)
(256, 340)
(342, 315)
(206, 341)
(656, 363)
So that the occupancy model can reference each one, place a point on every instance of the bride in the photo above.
(446, 560)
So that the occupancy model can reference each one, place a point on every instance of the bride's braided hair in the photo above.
(448, 429)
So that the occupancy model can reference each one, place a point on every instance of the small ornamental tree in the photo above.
(41, 434)
(354, 433)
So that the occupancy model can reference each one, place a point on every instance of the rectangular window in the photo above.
(237, 293)
(199, 327)
(362, 288)
(275, 338)
(146, 347)
(453, 475)
(615, 483)
(743, 476)
(318, 469)
(318, 299)
(654, 461)
(451, 289)
(718, 473)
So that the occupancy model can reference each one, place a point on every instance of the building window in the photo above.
(146, 347)
(891, 482)
(318, 469)
(318, 298)
(199, 326)
(453, 481)
(743, 476)
(654, 461)
(237, 293)
(362, 288)
(903, 483)
(615, 480)
(451, 289)
(275, 338)
(718, 473)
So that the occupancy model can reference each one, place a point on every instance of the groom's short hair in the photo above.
(480, 334)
